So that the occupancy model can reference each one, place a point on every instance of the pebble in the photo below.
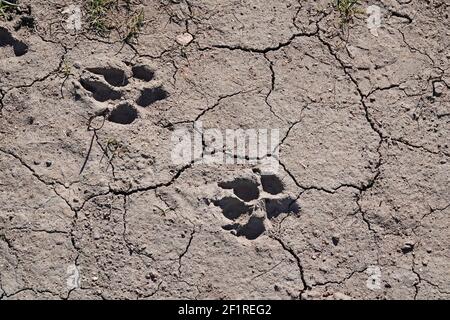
(408, 246)
(323, 269)
(184, 39)
(438, 88)
(97, 235)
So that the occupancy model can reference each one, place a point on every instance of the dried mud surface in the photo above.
(86, 177)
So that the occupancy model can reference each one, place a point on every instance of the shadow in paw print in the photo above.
(233, 208)
(149, 96)
(251, 230)
(269, 205)
(142, 73)
(113, 76)
(123, 114)
(100, 91)
(6, 39)
(272, 184)
(275, 207)
(245, 189)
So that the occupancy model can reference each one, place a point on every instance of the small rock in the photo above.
(184, 39)
(97, 235)
(323, 269)
(408, 247)
(438, 88)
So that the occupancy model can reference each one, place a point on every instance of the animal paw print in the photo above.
(252, 203)
(132, 88)
(7, 41)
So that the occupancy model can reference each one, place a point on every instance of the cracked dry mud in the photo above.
(87, 181)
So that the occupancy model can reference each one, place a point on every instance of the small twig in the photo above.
(88, 153)
(162, 210)
(102, 113)
(9, 3)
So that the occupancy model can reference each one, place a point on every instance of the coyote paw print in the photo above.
(252, 203)
(129, 90)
